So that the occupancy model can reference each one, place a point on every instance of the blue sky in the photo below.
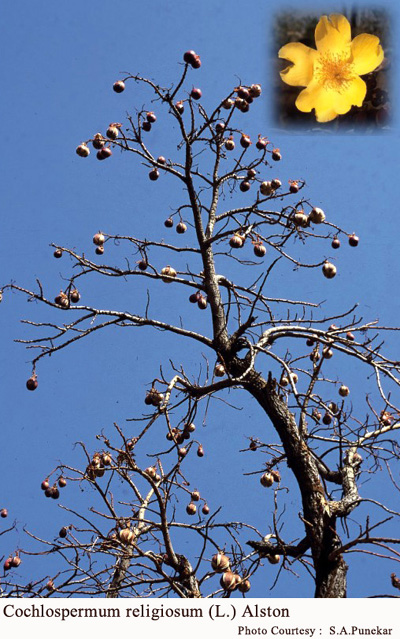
(59, 64)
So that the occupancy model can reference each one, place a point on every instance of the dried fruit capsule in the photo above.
(200, 451)
(62, 482)
(98, 141)
(273, 559)
(181, 228)
(276, 184)
(4, 513)
(7, 563)
(161, 160)
(63, 532)
(151, 117)
(353, 239)
(327, 353)
(293, 186)
(179, 107)
(168, 273)
(195, 495)
(99, 250)
(229, 144)
(83, 150)
(344, 391)
(112, 132)
(146, 126)
(15, 561)
(244, 186)
(317, 216)
(228, 103)
(251, 174)
(58, 253)
(142, 265)
(219, 370)
(119, 86)
(202, 303)
(127, 536)
(244, 585)
(245, 141)
(195, 93)
(243, 93)
(335, 242)
(276, 155)
(228, 581)
(104, 153)
(191, 508)
(327, 419)
(99, 239)
(259, 249)
(169, 223)
(154, 175)
(74, 296)
(261, 143)
(266, 188)
(255, 90)
(32, 383)
(236, 241)
(329, 270)
(220, 562)
(300, 218)
(266, 480)
(205, 510)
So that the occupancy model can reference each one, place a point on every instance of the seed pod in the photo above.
(227, 104)
(300, 218)
(251, 174)
(74, 296)
(202, 303)
(316, 414)
(63, 532)
(200, 451)
(146, 126)
(350, 336)
(243, 93)
(220, 127)
(245, 141)
(344, 391)
(182, 452)
(228, 581)
(266, 480)
(50, 585)
(58, 253)
(98, 141)
(190, 428)
(62, 482)
(7, 564)
(244, 186)
(293, 186)
(315, 356)
(334, 408)
(195, 495)
(99, 250)
(219, 370)
(273, 559)
(191, 508)
(276, 155)
(127, 536)
(327, 353)
(329, 270)
(179, 107)
(83, 150)
(189, 56)
(261, 143)
(236, 241)
(220, 562)
(99, 239)
(327, 419)
(335, 243)
(195, 93)
(4, 513)
(151, 117)
(317, 216)
(32, 383)
(229, 144)
(45, 484)
(276, 184)
(169, 222)
(266, 188)
(205, 510)
(168, 273)
(259, 249)
(142, 265)
(181, 228)
(119, 86)
(151, 472)
(112, 132)
(15, 561)
(244, 585)
(255, 90)
(154, 175)
(161, 159)
(276, 475)
(353, 239)
(106, 458)
(104, 153)
(310, 341)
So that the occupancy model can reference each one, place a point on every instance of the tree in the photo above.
(274, 349)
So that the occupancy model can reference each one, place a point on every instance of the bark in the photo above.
(318, 515)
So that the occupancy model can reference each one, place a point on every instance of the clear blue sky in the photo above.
(59, 63)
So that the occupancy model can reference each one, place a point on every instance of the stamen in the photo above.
(334, 71)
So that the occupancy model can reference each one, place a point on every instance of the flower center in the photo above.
(334, 71)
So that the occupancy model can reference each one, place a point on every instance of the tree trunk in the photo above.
(320, 523)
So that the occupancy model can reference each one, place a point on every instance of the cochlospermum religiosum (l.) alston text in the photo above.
(331, 72)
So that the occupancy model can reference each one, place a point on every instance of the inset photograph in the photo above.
(332, 72)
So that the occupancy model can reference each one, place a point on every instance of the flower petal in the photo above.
(367, 53)
(301, 72)
(353, 94)
(315, 96)
(333, 34)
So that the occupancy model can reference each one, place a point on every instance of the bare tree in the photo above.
(274, 349)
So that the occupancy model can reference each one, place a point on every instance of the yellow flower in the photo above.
(331, 73)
